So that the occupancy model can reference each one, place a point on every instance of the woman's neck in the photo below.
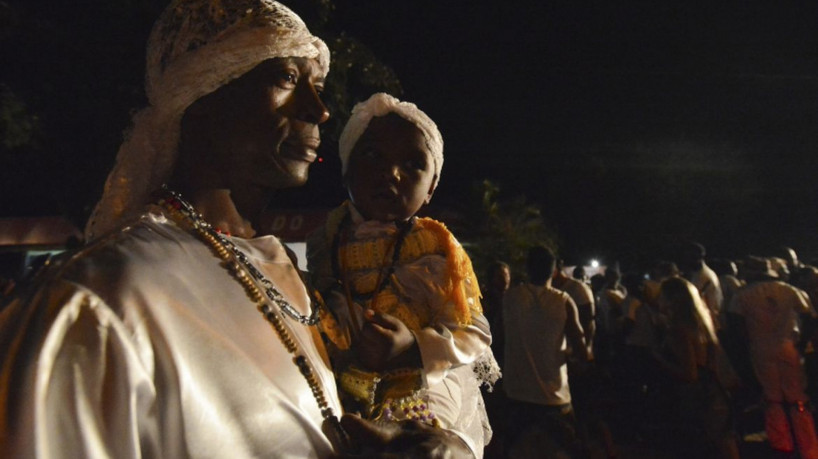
(218, 208)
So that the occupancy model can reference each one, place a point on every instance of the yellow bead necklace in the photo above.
(239, 265)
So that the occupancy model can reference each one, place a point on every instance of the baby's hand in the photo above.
(386, 342)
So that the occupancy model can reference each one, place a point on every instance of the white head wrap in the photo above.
(381, 104)
(195, 47)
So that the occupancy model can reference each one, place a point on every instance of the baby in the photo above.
(406, 327)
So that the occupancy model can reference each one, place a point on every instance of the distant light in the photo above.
(595, 263)
(320, 159)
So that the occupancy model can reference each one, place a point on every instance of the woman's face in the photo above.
(262, 128)
(391, 173)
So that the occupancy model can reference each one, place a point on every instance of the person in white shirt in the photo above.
(583, 297)
(540, 321)
(770, 309)
(694, 268)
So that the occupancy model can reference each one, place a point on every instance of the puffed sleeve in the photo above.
(447, 343)
(443, 347)
(458, 333)
(78, 382)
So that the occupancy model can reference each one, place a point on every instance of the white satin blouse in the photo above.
(142, 345)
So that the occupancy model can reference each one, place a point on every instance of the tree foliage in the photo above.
(502, 229)
(18, 127)
(355, 71)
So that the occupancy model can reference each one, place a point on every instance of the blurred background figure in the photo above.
(693, 266)
(639, 331)
(583, 298)
(494, 285)
(579, 274)
(770, 310)
(687, 356)
(612, 293)
(727, 271)
(540, 324)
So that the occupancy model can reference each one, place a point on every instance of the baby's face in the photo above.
(391, 172)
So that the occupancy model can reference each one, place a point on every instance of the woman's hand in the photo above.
(385, 343)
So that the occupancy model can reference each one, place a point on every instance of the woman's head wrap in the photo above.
(381, 104)
(195, 47)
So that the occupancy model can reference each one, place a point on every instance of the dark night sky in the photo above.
(632, 124)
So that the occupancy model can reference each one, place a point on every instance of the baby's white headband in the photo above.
(382, 104)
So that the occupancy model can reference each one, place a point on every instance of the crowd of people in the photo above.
(693, 356)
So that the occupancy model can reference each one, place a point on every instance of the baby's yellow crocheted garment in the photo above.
(364, 262)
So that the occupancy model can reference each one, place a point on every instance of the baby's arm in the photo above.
(386, 343)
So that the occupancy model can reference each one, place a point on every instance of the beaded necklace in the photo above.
(221, 244)
(239, 265)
